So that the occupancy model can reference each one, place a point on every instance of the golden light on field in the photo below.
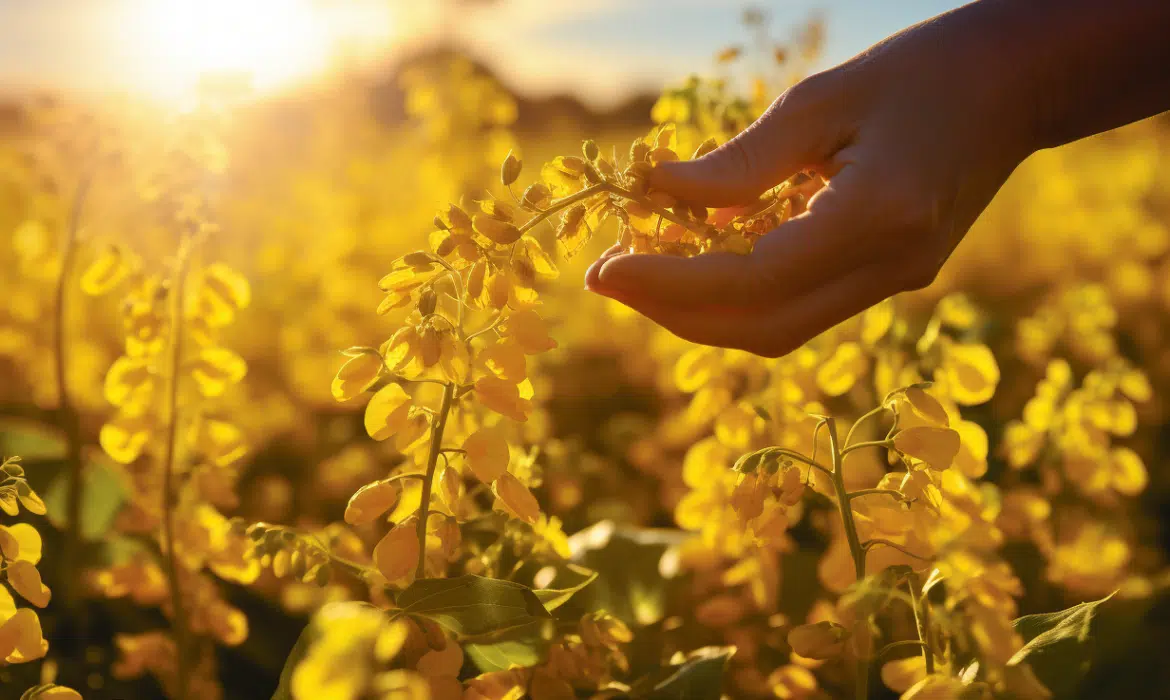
(267, 44)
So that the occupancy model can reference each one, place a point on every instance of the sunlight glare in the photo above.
(270, 44)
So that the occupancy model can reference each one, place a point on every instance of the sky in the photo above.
(602, 50)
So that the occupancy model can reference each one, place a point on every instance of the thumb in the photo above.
(801, 129)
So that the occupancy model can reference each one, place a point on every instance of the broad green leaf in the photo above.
(569, 580)
(700, 676)
(635, 574)
(472, 605)
(102, 496)
(523, 645)
(1094, 649)
(32, 440)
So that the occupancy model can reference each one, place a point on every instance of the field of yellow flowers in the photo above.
(319, 411)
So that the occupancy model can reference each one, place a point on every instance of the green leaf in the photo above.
(635, 577)
(32, 440)
(569, 580)
(102, 497)
(473, 605)
(1060, 646)
(700, 676)
(523, 645)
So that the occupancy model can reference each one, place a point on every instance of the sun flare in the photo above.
(268, 44)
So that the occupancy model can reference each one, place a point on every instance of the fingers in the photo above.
(775, 331)
(823, 243)
(591, 274)
(800, 130)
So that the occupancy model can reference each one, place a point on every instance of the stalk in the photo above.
(922, 622)
(855, 548)
(424, 505)
(67, 416)
(179, 614)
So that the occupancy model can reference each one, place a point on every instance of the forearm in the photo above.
(1079, 67)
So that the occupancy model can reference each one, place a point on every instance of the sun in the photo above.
(269, 44)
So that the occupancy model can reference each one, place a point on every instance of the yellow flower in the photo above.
(819, 640)
(487, 454)
(371, 502)
(356, 375)
(516, 498)
(387, 412)
(936, 447)
(396, 554)
(503, 397)
(529, 331)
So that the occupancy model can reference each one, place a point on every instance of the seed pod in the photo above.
(475, 281)
(510, 169)
(427, 301)
(323, 575)
(590, 150)
(297, 564)
(429, 346)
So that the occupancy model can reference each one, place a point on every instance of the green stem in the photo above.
(424, 505)
(855, 548)
(793, 454)
(922, 622)
(870, 492)
(862, 419)
(179, 615)
(869, 544)
(705, 229)
(68, 417)
(559, 204)
(872, 443)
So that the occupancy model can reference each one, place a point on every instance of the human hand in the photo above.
(915, 137)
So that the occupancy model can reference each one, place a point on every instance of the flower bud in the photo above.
(510, 169)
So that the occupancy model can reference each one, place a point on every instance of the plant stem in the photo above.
(179, 615)
(68, 418)
(869, 414)
(870, 544)
(855, 548)
(424, 505)
(872, 443)
(793, 454)
(922, 622)
(559, 204)
(870, 492)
